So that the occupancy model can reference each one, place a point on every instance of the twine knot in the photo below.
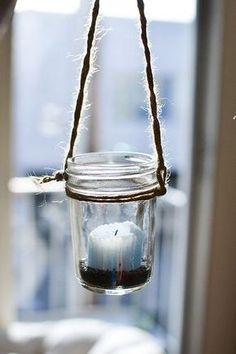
(60, 176)
(57, 176)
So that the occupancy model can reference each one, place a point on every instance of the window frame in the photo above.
(209, 306)
(215, 20)
(6, 308)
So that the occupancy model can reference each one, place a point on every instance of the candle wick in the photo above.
(116, 232)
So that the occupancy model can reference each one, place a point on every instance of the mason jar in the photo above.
(112, 199)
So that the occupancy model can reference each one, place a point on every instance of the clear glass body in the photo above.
(113, 242)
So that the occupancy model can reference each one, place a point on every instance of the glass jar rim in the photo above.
(111, 164)
(112, 177)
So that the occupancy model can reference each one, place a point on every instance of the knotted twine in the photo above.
(154, 111)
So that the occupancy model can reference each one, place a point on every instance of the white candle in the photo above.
(117, 246)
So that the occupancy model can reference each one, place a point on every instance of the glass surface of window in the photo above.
(48, 43)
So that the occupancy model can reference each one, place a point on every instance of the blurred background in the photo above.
(39, 66)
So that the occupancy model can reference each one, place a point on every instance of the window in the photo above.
(46, 57)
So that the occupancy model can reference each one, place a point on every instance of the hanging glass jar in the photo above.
(113, 239)
(113, 196)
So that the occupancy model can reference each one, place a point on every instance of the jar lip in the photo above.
(111, 163)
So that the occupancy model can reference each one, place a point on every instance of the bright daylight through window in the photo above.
(48, 42)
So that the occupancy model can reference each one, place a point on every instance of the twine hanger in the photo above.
(154, 108)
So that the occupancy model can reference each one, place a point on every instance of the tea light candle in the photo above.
(115, 246)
